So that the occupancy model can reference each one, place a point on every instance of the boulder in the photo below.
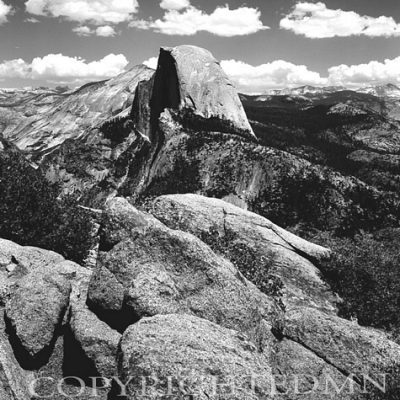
(37, 287)
(145, 269)
(36, 307)
(227, 227)
(190, 83)
(97, 340)
(189, 357)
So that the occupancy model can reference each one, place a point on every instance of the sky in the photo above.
(262, 44)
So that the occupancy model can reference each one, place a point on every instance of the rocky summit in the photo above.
(192, 280)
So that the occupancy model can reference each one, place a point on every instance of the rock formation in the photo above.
(191, 85)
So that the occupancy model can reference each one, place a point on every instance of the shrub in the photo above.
(255, 268)
(365, 272)
(31, 214)
(117, 129)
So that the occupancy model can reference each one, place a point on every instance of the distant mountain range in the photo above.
(389, 90)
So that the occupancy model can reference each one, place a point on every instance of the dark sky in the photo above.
(53, 34)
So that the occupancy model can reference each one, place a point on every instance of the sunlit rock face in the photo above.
(190, 83)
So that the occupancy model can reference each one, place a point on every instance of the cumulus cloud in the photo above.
(83, 31)
(97, 12)
(60, 68)
(14, 69)
(317, 21)
(174, 4)
(282, 74)
(5, 11)
(151, 62)
(104, 31)
(373, 72)
(276, 74)
(189, 20)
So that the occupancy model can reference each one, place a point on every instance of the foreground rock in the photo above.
(14, 381)
(228, 228)
(97, 340)
(351, 349)
(191, 358)
(36, 307)
(147, 269)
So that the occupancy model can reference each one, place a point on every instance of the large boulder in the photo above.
(37, 287)
(145, 269)
(36, 307)
(188, 357)
(228, 227)
(190, 83)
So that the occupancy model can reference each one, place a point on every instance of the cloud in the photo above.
(373, 72)
(14, 69)
(316, 21)
(276, 74)
(60, 68)
(174, 4)
(32, 20)
(5, 11)
(282, 74)
(151, 62)
(83, 31)
(97, 12)
(104, 31)
(189, 20)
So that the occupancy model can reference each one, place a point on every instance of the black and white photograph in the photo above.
(199, 199)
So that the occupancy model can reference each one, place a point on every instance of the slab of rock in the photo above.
(291, 258)
(14, 381)
(188, 356)
(190, 82)
(97, 340)
(348, 347)
(36, 307)
(149, 269)
(301, 374)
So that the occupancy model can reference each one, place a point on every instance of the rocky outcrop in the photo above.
(226, 227)
(174, 283)
(185, 356)
(145, 269)
(39, 290)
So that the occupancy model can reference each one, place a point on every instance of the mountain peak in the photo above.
(190, 83)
